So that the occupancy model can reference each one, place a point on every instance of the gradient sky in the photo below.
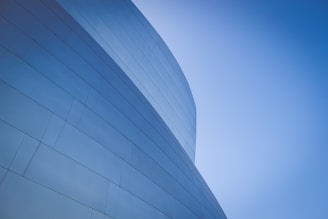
(258, 71)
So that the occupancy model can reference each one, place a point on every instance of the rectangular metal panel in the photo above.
(24, 155)
(128, 206)
(68, 177)
(30, 82)
(21, 198)
(22, 112)
(142, 187)
(10, 140)
(86, 151)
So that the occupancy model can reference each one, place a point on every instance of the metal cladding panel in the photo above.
(78, 137)
(123, 32)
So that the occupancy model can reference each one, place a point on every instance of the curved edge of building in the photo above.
(124, 33)
(78, 137)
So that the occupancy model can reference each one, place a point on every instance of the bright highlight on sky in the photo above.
(258, 71)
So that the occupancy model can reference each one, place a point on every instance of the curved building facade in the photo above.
(121, 30)
(96, 117)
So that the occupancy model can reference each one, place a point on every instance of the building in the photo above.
(96, 117)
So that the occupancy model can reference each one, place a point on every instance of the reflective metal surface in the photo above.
(78, 137)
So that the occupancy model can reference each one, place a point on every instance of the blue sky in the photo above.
(258, 71)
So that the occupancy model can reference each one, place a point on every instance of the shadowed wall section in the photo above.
(78, 137)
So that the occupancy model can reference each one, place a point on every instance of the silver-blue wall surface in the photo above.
(123, 32)
(78, 138)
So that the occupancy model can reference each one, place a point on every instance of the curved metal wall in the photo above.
(123, 32)
(77, 137)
